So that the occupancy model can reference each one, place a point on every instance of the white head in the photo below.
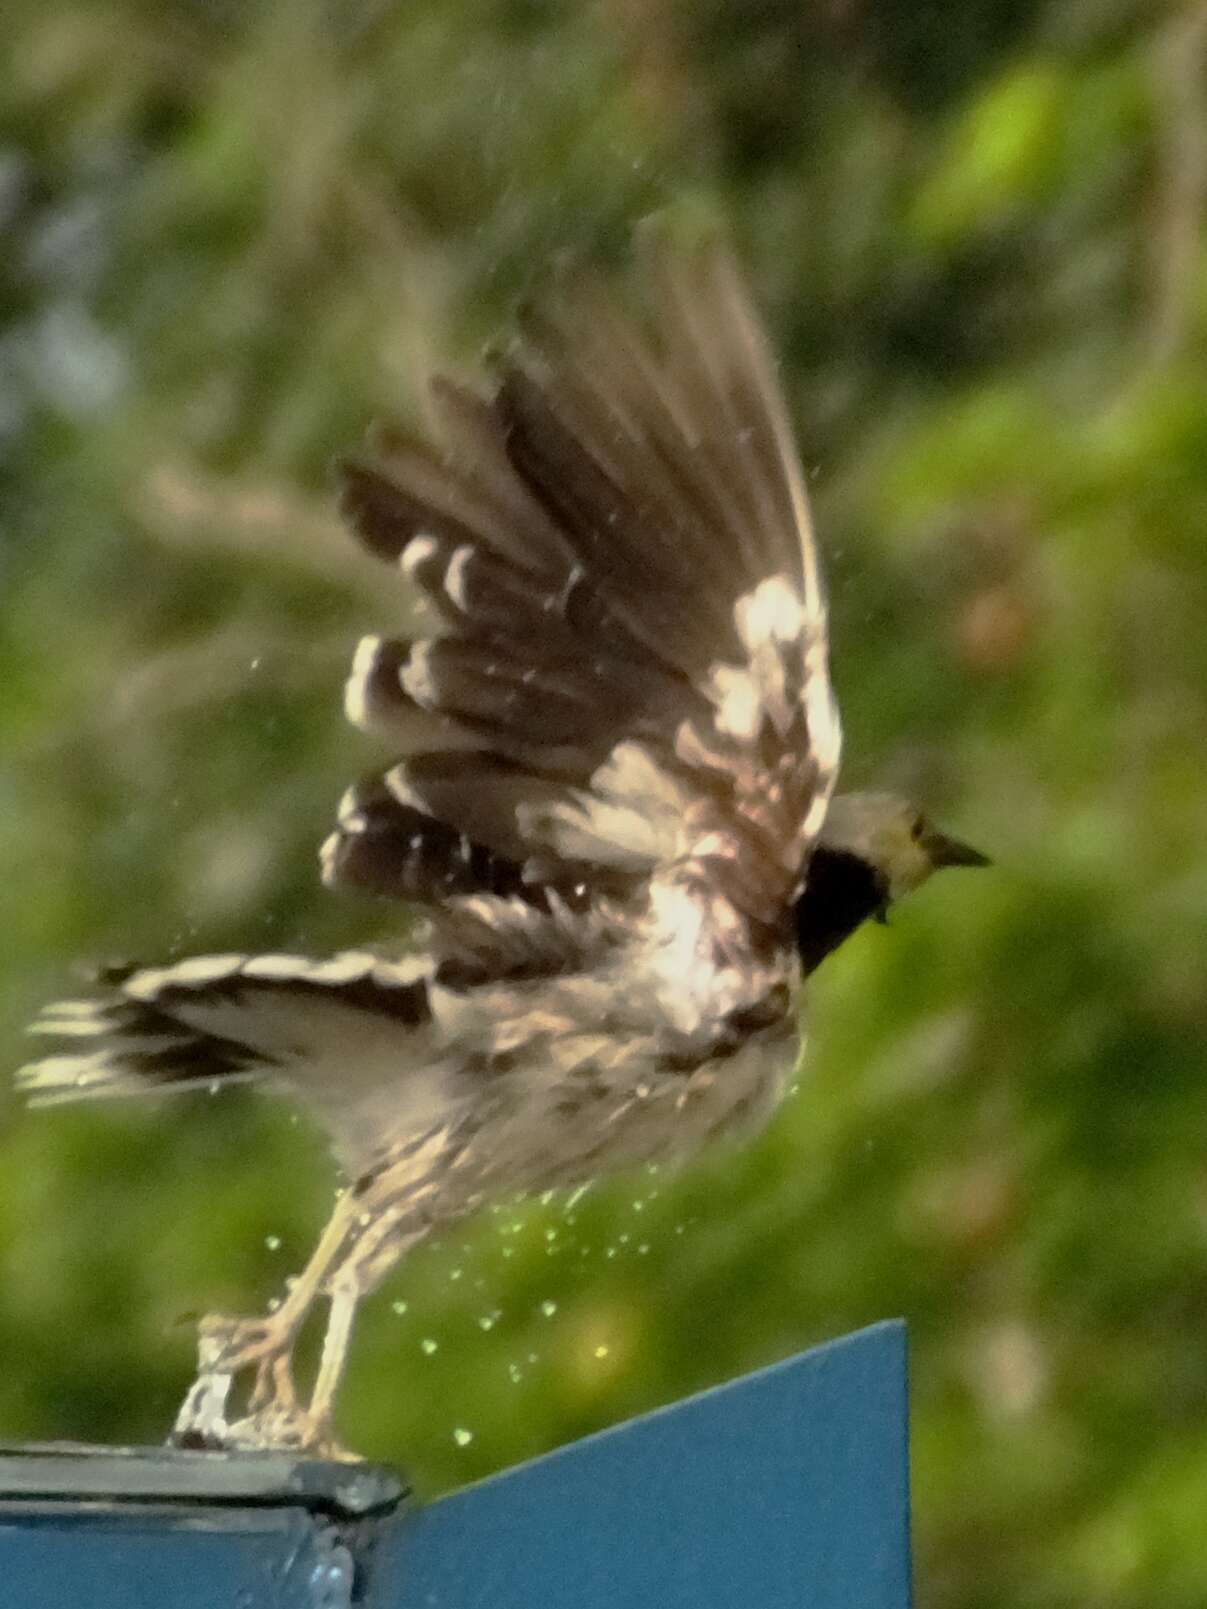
(894, 838)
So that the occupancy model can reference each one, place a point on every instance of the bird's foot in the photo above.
(287, 1430)
(226, 1348)
(275, 1419)
(225, 1345)
(271, 1429)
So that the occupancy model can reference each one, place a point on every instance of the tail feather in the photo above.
(215, 1020)
(131, 1046)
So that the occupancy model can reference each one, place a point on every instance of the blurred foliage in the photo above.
(234, 233)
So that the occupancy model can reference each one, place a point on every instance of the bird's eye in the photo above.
(917, 828)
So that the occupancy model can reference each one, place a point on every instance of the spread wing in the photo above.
(626, 680)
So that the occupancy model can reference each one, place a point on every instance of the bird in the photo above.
(610, 794)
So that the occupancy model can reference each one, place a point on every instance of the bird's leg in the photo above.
(228, 1346)
(344, 1297)
(368, 1232)
(273, 1383)
(383, 1235)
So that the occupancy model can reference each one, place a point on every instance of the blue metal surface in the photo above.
(165, 1559)
(787, 1487)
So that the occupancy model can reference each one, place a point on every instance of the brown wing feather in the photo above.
(630, 667)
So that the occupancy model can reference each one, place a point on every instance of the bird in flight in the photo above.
(612, 761)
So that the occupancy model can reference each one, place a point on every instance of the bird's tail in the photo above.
(215, 1020)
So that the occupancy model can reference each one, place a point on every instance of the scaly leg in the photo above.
(228, 1346)
(367, 1234)
(369, 1259)
(344, 1297)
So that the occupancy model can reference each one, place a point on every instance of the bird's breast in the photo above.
(584, 1104)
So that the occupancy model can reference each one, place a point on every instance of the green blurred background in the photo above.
(233, 233)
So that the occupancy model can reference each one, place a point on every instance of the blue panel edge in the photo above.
(786, 1487)
(886, 1336)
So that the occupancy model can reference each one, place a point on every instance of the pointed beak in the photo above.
(945, 851)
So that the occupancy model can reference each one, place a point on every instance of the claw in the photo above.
(226, 1346)
(297, 1431)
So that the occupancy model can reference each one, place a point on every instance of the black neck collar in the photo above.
(841, 892)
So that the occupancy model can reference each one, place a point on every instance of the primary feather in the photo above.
(630, 677)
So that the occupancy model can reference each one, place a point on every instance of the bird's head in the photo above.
(873, 849)
(899, 842)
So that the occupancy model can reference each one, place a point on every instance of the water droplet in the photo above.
(509, 1251)
(623, 1238)
(534, 1357)
(551, 1234)
(273, 1303)
(514, 1373)
(548, 1308)
(610, 1252)
(273, 1242)
(643, 1249)
(639, 1206)
(488, 1321)
(455, 1273)
(546, 1196)
(429, 1346)
(398, 1307)
(601, 1351)
(462, 1436)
